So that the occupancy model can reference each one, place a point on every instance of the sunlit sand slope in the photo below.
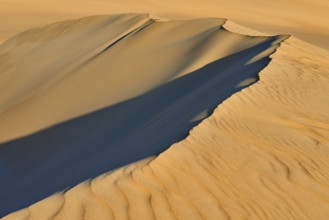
(263, 154)
(129, 86)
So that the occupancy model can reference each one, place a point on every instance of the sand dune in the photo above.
(173, 89)
(261, 155)
(177, 73)
(65, 66)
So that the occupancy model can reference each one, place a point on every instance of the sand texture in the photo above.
(157, 111)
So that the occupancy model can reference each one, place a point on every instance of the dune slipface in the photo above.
(150, 82)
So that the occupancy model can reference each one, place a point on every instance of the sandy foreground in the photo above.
(261, 155)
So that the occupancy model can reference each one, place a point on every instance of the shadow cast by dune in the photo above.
(34, 167)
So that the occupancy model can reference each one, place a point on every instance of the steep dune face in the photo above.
(263, 154)
(154, 81)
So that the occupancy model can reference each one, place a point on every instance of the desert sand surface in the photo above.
(83, 97)
(263, 154)
(150, 104)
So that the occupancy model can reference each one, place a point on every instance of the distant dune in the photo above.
(305, 19)
(137, 116)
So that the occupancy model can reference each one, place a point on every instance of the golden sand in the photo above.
(263, 154)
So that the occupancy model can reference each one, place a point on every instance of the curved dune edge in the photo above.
(261, 155)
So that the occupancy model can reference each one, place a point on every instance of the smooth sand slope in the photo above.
(157, 80)
(263, 154)
(305, 19)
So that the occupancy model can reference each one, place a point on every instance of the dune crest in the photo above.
(42, 96)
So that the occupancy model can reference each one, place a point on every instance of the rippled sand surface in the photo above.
(262, 154)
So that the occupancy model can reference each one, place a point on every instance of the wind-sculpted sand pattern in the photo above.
(263, 154)
(84, 97)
